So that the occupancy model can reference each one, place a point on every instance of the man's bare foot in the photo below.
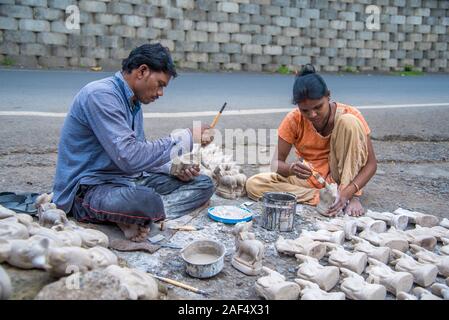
(354, 208)
(134, 232)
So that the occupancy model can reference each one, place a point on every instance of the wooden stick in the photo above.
(181, 285)
(217, 116)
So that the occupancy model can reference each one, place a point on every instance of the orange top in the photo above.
(309, 144)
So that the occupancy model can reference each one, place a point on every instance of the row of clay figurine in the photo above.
(58, 246)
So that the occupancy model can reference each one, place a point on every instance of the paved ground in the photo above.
(412, 144)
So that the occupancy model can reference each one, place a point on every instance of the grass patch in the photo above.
(408, 71)
(283, 70)
(350, 69)
(8, 62)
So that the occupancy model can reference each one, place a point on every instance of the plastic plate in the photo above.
(229, 214)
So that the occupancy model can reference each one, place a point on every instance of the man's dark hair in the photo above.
(309, 85)
(155, 56)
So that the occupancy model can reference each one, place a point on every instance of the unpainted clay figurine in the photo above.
(405, 296)
(328, 195)
(339, 257)
(356, 288)
(231, 182)
(311, 291)
(386, 239)
(301, 245)
(367, 223)
(5, 285)
(63, 261)
(10, 229)
(6, 213)
(399, 221)
(440, 290)
(139, 285)
(444, 223)
(379, 253)
(21, 218)
(274, 287)
(440, 232)
(349, 226)
(102, 257)
(70, 238)
(90, 237)
(424, 294)
(419, 238)
(37, 231)
(249, 251)
(422, 219)
(326, 277)
(393, 281)
(426, 256)
(337, 237)
(424, 274)
(49, 216)
(25, 254)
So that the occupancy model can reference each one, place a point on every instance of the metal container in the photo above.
(203, 258)
(279, 210)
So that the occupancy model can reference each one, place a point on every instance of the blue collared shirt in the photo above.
(103, 140)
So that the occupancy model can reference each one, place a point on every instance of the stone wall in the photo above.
(251, 35)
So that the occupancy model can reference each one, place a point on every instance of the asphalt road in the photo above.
(53, 91)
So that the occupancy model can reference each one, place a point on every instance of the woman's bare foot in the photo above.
(354, 208)
(134, 232)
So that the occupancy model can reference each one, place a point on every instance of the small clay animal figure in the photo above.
(102, 257)
(445, 247)
(424, 294)
(424, 274)
(326, 277)
(9, 229)
(90, 237)
(444, 223)
(70, 238)
(311, 291)
(231, 182)
(25, 254)
(337, 237)
(249, 251)
(364, 223)
(5, 285)
(301, 245)
(339, 257)
(53, 236)
(356, 288)
(328, 195)
(63, 261)
(422, 219)
(379, 253)
(274, 287)
(426, 256)
(405, 296)
(399, 221)
(349, 226)
(49, 216)
(140, 285)
(386, 239)
(440, 290)
(394, 281)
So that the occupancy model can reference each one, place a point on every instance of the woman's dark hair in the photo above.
(309, 85)
(155, 56)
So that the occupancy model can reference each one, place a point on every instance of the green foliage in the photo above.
(283, 70)
(8, 61)
(350, 69)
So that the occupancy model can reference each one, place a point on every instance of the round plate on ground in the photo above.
(229, 214)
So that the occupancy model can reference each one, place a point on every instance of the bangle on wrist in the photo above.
(356, 186)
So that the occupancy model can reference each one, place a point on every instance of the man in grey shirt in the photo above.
(107, 171)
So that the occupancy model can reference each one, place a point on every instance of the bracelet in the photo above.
(356, 186)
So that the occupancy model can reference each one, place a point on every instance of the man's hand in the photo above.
(300, 170)
(338, 205)
(203, 135)
(189, 173)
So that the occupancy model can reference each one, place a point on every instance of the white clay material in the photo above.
(140, 285)
(9, 229)
(102, 257)
(25, 254)
(444, 223)
(393, 281)
(327, 197)
(440, 290)
(337, 237)
(424, 294)
(63, 261)
(426, 256)
(6, 213)
(356, 288)
(386, 239)
(367, 223)
(381, 254)
(5, 285)
(354, 261)
(424, 220)
(445, 247)
(349, 226)
(301, 245)
(274, 287)
(398, 221)
(311, 291)
(249, 251)
(405, 296)
(424, 274)
(326, 277)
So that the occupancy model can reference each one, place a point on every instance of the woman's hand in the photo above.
(339, 204)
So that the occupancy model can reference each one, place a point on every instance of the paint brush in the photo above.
(217, 116)
(317, 176)
(179, 284)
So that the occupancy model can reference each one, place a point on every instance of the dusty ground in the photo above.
(412, 175)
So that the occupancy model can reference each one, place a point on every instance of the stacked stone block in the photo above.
(250, 35)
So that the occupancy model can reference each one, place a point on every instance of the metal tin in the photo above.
(279, 210)
(205, 248)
